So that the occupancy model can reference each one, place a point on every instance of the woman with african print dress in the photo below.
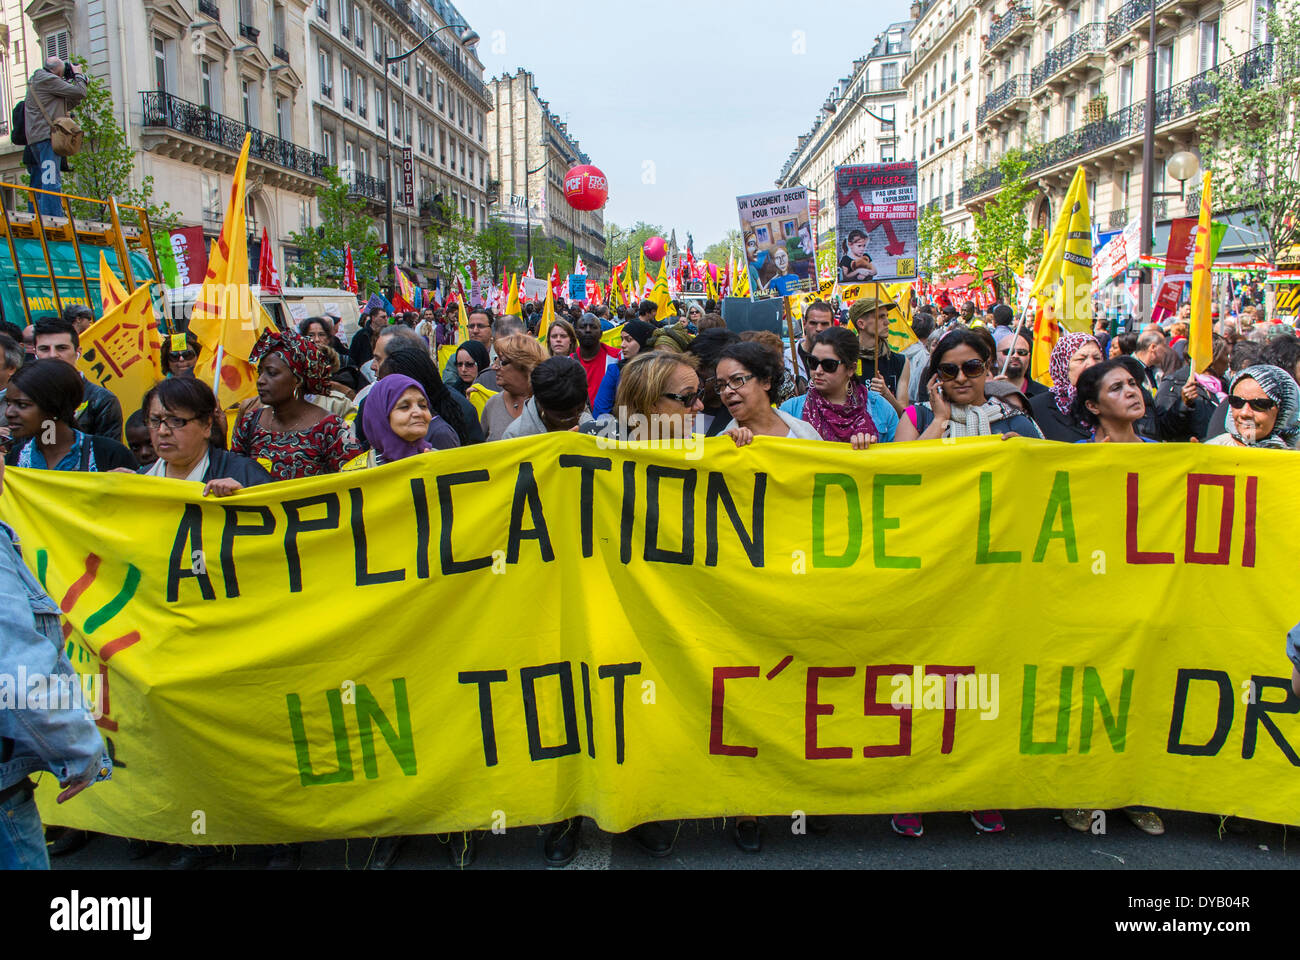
(288, 436)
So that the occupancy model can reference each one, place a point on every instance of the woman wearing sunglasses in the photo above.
(658, 397)
(839, 408)
(964, 399)
(748, 380)
(180, 363)
(1264, 403)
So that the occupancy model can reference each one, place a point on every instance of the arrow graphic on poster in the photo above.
(895, 247)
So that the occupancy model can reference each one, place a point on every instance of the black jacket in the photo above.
(1185, 422)
(361, 350)
(109, 455)
(101, 413)
(224, 465)
(1154, 425)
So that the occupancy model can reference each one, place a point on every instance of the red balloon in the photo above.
(656, 248)
(586, 188)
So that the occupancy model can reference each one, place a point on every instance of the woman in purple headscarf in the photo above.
(396, 418)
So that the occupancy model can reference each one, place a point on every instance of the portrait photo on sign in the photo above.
(779, 249)
(875, 222)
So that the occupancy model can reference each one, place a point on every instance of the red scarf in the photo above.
(839, 422)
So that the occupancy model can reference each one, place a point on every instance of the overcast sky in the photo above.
(706, 98)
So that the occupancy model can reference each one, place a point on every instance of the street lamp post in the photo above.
(470, 39)
(858, 102)
(528, 208)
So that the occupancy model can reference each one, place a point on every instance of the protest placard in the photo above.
(875, 222)
(779, 246)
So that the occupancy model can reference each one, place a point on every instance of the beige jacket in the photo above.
(57, 96)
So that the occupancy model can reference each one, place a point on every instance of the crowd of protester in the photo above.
(323, 407)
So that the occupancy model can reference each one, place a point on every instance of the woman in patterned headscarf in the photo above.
(1073, 354)
(287, 435)
(1264, 404)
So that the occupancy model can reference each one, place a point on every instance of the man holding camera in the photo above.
(52, 92)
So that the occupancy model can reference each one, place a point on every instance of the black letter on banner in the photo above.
(526, 493)
(629, 513)
(586, 494)
(718, 491)
(189, 539)
(361, 549)
(295, 525)
(450, 565)
(1258, 712)
(586, 706)
(1224, 722)
(421, 501)
(485, 679)
(618, 671)
(652, 552)
(528, 677)
(232, 530)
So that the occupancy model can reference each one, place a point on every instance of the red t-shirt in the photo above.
(596, 368)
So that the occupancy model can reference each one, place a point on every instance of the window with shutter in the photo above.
(1209, 45)
(56, 45)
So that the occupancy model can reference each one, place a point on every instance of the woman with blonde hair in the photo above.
(658, 396)
(517, 356)
(561, 339)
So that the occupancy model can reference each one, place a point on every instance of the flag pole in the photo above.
(216, 376)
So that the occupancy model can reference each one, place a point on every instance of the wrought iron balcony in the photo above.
(1190, 97)
(209, 9)
(1119, 218)
(947, 201)
(323, 10)
(1119, 22)
(1008, 22)
(280, 53)
(1015, 88)
(249, 32)
(364, 185)
(161, 109)
(1090, 38)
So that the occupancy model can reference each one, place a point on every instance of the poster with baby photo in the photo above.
(776, 231)
(875, 222)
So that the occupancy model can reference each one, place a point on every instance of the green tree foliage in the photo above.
(104, 167)
(621, 242)
(498, 249)
(729, 245)
(343, 220)
(1002, 238)
(939, 248)
(1251, 141)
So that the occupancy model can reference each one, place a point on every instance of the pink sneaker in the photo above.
(987, 821)
(907, 824)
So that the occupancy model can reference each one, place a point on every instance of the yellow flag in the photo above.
(901, 335)
(462, 333)
(227, 318)
(111, 291)
(1200, 345)
(613, 337)
(479, 395)
(121, 351)
(1066, 268)
(740, 278)
(513, 309)
(548, 314)
(660, 296)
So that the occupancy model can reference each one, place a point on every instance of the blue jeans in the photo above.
(22, 839)
(45, 175)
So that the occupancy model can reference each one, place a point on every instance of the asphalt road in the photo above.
(1033, 840)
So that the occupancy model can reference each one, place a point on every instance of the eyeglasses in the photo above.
(173, 423)
(1258, 404)
(184, 355)
(685, 399)
(502, 363)
(736, 383)
(1014, 353)
(465, 364)
(829, 364)
(971, 368)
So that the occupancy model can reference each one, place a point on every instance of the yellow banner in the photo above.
(515, 633)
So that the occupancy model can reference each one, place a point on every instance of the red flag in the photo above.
(473, 271)
(349, 271)
(556, 286)
(267, 276)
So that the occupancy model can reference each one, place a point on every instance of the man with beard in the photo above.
(1018, 347)
(596, 357)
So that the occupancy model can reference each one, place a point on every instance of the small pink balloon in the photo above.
(655, 249)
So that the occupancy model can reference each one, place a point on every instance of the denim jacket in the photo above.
(64, 741)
